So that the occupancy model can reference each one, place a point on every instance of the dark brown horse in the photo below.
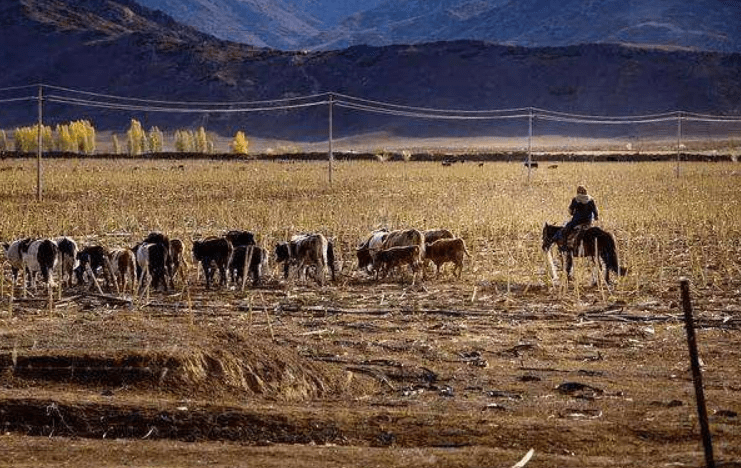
(588, 239)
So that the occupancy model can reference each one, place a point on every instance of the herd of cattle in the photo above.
(157, 260)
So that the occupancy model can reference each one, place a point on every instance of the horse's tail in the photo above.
(608, 252)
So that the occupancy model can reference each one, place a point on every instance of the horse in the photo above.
(589, 238)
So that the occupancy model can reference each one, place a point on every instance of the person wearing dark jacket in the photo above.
(583, 210)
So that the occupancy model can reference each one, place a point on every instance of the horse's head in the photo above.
(548, 232)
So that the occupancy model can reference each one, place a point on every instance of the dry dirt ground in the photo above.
(361, 373)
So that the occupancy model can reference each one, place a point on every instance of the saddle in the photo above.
(575, 236)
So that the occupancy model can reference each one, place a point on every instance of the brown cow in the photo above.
(123, 264)
(432, 235)
(387, 259)
(406, 237)
(447, 250)
(177, 260)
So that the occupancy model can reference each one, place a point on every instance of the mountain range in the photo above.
(336, 24)
(119, 47)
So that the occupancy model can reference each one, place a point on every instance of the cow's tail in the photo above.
(47, 259)
(465, 250)
(330, 258)
(324, 258)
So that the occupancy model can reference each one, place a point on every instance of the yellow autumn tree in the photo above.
(240, 145)
(135, 138)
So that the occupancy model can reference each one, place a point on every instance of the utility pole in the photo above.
(40, 143)
(530, 144)
(331, 155)
(679, 140)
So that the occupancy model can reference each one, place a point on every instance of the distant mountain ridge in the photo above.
(697, 25)
(335, 24)
(118, 47)
(279, 24)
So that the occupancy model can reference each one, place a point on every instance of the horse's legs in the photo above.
(569, 266)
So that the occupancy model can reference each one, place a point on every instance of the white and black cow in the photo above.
(368, 247)
(151, 262)
(306, 251)
(67, 258)
(40, 257)
(13, 252)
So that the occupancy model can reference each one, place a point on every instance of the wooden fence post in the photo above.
(702, 411)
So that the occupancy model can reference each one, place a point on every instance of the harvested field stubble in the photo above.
(469, 372)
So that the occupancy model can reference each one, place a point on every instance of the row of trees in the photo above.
(80, 137)
(77, 137)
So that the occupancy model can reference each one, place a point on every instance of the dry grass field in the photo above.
(444, 372)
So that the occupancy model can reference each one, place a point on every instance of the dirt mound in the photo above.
(145, 356)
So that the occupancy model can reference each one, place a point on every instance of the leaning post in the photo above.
(702, 411)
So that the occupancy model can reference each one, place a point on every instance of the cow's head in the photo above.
(282, 252)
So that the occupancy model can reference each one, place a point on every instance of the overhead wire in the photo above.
(143, 108)
(187, 103)
(27, 98)
(116, 102)
(16, 88)
(405, 113)
(546, 112)
(428, 109)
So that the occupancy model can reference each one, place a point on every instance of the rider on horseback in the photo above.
(583, 210)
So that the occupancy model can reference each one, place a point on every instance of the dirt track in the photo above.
(450, 373)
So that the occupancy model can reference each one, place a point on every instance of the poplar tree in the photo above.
(135, 138)
(240, 145)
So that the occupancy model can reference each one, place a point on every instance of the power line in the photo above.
(403, 113)
(545, 112)
(15, 88)
(187, 103)
(115, 102)
(27, 98)
(604, 122)
(427, 109)
(142, 108)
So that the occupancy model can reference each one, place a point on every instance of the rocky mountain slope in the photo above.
(280, 24)
(120, 48)
(336, 24)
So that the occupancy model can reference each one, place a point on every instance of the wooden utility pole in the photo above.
(530, 144)
(331, 155)
(679, 139)
(40, 142)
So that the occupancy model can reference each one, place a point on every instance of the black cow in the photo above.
(210, 251)
(240, 238)
(95, 256)
(236, 264)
